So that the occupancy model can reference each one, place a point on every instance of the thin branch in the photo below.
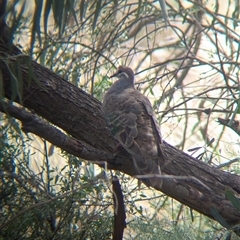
(119, 210)
(237, 159)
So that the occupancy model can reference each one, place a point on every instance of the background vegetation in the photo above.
(190, 72)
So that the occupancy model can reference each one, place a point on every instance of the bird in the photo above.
(132, 122)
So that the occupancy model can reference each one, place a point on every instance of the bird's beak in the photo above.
(114, 75)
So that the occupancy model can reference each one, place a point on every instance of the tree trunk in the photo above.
(191, 182)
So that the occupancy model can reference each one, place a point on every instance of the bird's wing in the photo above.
(154, 123)
(121, 113)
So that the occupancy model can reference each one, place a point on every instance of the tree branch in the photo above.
(119, 210)
(234, 125)
(32, 123)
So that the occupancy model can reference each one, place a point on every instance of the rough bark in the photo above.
(186, 179)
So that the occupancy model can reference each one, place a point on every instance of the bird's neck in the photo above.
(120, 85)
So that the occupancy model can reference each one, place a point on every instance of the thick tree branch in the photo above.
(32, 123)
(80, 115)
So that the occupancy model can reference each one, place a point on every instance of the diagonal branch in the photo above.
(32, 123)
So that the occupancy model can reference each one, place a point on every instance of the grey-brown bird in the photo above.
(132, 122)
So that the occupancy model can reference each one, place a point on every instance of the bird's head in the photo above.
(124, 74)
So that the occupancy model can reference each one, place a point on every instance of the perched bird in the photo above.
(132, 122)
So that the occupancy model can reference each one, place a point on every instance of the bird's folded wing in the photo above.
(151, 113)
(132, 122)
(123, 122)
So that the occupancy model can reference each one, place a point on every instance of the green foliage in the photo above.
(168, 231)
(233, 199)
(53, 203)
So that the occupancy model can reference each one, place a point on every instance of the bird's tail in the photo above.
(148, 171)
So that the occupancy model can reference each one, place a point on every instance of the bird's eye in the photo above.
(120, 70)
